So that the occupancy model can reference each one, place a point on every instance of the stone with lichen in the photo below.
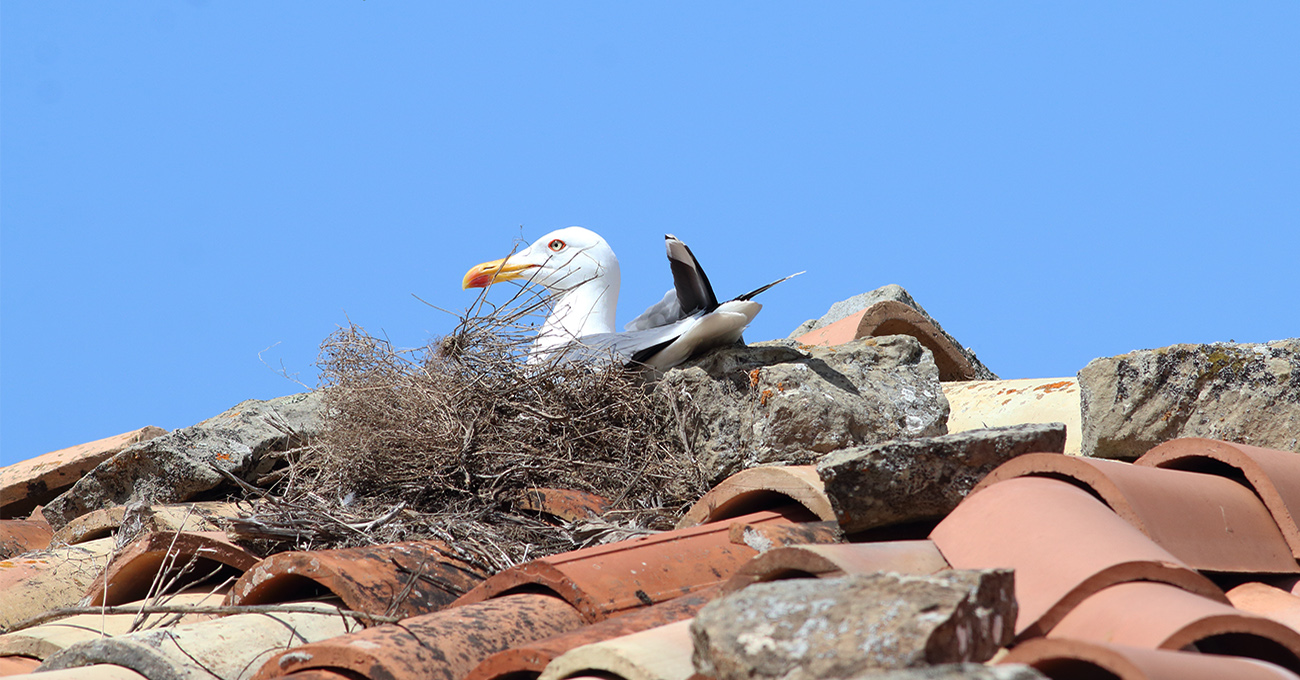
(1243, 393)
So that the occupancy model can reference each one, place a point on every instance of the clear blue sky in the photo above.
(186, 184)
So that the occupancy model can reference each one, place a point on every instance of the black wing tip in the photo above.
(751, 294)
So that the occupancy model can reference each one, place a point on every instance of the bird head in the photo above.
(561, 260)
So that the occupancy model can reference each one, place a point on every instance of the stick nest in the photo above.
(446, 441)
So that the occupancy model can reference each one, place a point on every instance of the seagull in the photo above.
(580, 269)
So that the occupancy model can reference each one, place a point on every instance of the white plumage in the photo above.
(582, 272)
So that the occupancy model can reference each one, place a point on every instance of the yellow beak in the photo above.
(488, 273)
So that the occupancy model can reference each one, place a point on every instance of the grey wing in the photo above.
(628, 345)
(661, 313)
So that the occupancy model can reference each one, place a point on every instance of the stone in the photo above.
(1242, 393)
(179, 465)
(891, 310)
(799, 629)
(775, 402)
(913, 480)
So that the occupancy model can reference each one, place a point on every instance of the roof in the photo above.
(1180, 564)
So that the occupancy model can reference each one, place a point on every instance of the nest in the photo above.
(448, 440)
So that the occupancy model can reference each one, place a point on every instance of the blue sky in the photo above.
(184, 185)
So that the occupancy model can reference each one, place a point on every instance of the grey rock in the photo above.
(1242, 393)
(960, 671)
(974, 369)
(178, 466)
(904, 481)
(775, 402)
(844, 627)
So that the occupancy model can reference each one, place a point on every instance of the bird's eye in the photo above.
(556, 245)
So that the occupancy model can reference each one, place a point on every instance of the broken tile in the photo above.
(569, 505)
(662, 653)
(909, 480)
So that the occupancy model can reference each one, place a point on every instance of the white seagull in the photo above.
(581, 271)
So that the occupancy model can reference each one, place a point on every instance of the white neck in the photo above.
(584, 310)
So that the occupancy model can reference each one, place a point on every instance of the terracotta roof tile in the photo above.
(605, 580)
(532, 658)
(570, 505)
(975, 404)
(36, 582)
(662, 653)
(17, 665)
(761, 488)
(229, 647)
(199, 516)
(1275, 475)
(764, 537)
(828, 561)
(1174, 508)
(1075, 659)
(47, 639)
(444, 645)
(1063, 543)
(1159, 616)
(18, 536)
(398, 579)
(136, 569)
(1266, 600)
(35, 481)
(891, 317)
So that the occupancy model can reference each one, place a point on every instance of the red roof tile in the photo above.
(1275, 475)
(1063, 543)
(1174, 508)
(1077, 660)
(18, 536)
(829, 561)
(35, 481)
(444, 645)
(1160, 616)
(532, 658)
(761, 488)
(397, 579)
(155, 559)
(605, 580)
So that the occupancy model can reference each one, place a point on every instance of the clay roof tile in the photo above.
(1063, 543)
(401, 579)
(1077, 660)
(1175, 509)
(761, 488)
(1274, 475)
